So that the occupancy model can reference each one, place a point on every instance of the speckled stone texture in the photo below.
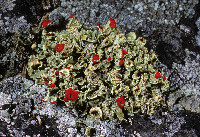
(172, 30)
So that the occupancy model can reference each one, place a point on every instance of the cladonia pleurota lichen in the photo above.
(106, 73)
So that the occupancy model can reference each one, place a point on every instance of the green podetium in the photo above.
(103, 71)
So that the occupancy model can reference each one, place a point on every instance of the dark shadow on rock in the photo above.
(31, 9)
(3, 129)
(192, 121)
(188, 40)
(42, 129)
(167, 55)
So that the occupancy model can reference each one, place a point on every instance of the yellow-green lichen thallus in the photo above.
(103, 71)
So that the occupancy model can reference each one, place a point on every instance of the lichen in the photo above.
(99, 70)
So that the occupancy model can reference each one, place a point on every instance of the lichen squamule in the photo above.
(102, 71)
